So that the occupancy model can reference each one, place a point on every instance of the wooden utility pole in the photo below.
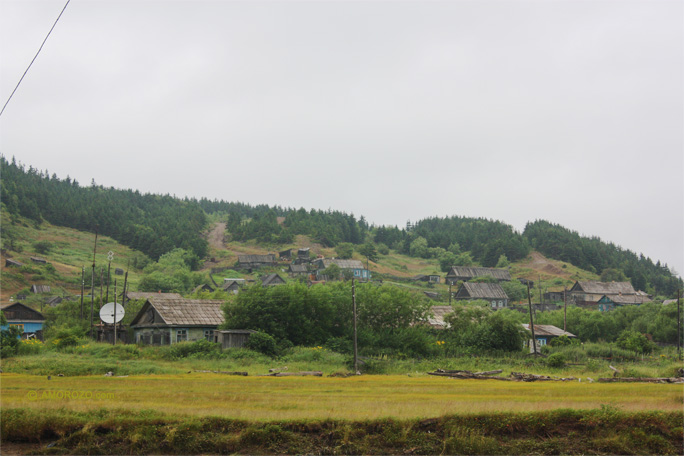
(679, 325)
(541, 301)
(92, 286)
(450, 292)
(82, 289)
(356, 347)
(565, 308)
(123, 296)
(109, 267)
(114, 342)
(529, 301)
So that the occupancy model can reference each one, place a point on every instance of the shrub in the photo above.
(198, 349)
(563, 340)
(555, 360)
(339, 345)
(42, 247)
(635, 341)
(262, 343)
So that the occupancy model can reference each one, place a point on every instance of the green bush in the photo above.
(262, 343)
(42, 247)
(635, 341)
(199, 349)
(555, 360)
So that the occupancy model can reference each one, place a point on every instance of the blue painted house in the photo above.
(28, 320)
(355, 266)
(610, 302)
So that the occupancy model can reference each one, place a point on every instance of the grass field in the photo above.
(353, 398)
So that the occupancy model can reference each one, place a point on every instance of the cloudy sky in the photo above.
(569, 111)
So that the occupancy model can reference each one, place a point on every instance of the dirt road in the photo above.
(215, 236)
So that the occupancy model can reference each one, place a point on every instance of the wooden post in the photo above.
(679, 326)
(82, 289)
(356, 347)
(109, 267)
(123, 296)
(529, 301)
(541, 301)
(114, 342)
(565, 309)
(450, 292)
(92, 286)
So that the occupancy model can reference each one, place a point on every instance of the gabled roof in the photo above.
(269, 258)
(272, 279)
(343, 264)
(601, 288)
(298, 268)
(482, 291)
(40, 288)
(146, 295)
(202, 287)
(184, 312)
(627, 299)
(547, 330)
(471, 273)
(29, 314)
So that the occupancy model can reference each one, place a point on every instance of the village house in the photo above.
(543, 334)
(136, 295)
(465, 273)
(250, 262)
(607, 303)
(285, 255)
(166, 321)
(491, 292)
(303, 256)
(356, 266)
(272, 280)
(29, 321)
(589, 293)
(297, 270)
(203, 287)
(232, 285)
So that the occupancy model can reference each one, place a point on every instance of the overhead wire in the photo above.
(34, 58)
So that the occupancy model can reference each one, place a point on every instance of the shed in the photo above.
(53, 301)
(432, 278)
(30, 321)
(465, 273)
(38, 260)
(272, 280)
(232, 285)
(488, 291)
(10, 262)
(164, 320)
(232, 338)
(285, 254)
(40, 289)
(203, 287)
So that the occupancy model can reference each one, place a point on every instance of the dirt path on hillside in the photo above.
(215, 236)
(541, 263)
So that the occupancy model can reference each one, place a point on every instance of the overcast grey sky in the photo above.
(569, 111)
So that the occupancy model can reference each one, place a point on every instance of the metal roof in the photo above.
(464, 271)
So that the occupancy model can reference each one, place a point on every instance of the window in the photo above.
(541, 342)
(17, 325)
(500, 303)
(181, 335)
(209, 335)
(494, 304)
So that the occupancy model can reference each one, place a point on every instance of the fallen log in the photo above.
(468, 375)
(641, 380)
(278, 369)
(296, 374)
(498, 371)
(244, 374)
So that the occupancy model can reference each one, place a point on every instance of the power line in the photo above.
(34, 58)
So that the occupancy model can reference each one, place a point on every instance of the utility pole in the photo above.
(356, 347)
(541, 301)
(109, 267)
(92, 286)
(565, 309)
(82, 289)
(450, 292)
(114, 342)
(529, 301)
(123, 296)
(679, 326)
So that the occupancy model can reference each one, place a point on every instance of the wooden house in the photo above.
(203, 287)
(356, 266)
(29, 321)
(250, 262)
(303, 256)
(136, 295)
(589, 293)
(232, 285)
(432, 278)
(232, 338)
(607, 303)
(285, 255)
(165, 321)
(14, 263)
(38, 260)
(491, 292)
(543, 334)
(554, 296)
(465, 273)
(37, 289)
(298, 270)
(272, 280)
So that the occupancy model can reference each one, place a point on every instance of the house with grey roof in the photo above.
(355, 266)
(491, 292)
(166, 321)
(272, 280)
(589, 292)
(465, 273)
(256, 261)
(543, 334)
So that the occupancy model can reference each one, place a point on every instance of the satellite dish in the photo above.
(108, 310)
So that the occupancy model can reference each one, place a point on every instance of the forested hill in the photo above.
(156, 224)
